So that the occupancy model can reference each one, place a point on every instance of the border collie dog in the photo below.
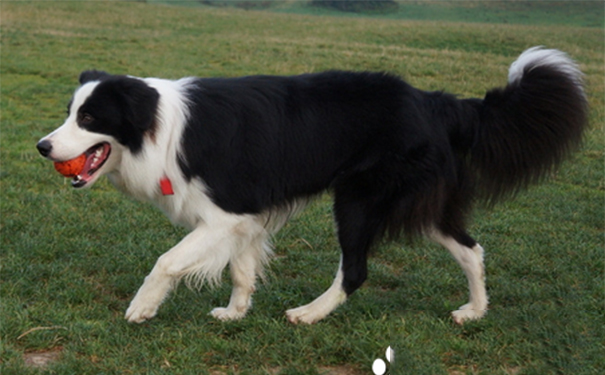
(233, 159)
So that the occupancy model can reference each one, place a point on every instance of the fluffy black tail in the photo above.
(527, 128)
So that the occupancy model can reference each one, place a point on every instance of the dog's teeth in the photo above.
(99, 152)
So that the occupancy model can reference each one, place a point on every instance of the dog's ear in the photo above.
(141, 102)
(93, 75)
(139, 105)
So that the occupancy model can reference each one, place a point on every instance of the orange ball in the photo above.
(71, 168)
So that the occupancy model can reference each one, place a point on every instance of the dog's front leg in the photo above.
(195, 254)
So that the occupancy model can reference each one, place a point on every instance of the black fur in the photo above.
(120, 106)
(528, 128)
(397, 159)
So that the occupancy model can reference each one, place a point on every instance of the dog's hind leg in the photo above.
(201, 256)
(469, 255)
(359, 219)
(322, 305)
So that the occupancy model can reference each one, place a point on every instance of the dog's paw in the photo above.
(226, 314)
(304, 315)
(466, 313)
(140, 311)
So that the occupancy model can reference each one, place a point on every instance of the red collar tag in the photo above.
(166, 186)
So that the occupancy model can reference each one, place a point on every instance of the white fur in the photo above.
(139, 176)
(69, 140)
(202, 255)
(536, 56)
(217, 238)
(322, 305)
(471, 261)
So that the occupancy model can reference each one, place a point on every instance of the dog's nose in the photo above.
(44, 147)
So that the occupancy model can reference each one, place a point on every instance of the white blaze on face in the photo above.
(70, 140)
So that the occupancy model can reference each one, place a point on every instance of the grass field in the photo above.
(537, 12)
(72, 260)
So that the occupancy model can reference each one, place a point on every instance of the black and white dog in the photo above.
(233, 159)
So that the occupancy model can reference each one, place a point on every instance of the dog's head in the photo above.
(107, 116)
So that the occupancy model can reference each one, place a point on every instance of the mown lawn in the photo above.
(571, 13)
(72, 260)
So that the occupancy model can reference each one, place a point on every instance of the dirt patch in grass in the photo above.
(339, 370)
(323, 370)
(43, 358)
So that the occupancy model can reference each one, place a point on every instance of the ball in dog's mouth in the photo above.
(72, 167)
(83, 167)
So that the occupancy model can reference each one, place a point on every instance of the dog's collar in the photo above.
(166, 186)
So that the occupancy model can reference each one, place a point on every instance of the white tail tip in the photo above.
(537, 56)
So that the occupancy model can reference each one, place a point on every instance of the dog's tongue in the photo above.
(95, 157)
(92, 161)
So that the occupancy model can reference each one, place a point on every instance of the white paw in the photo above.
(226, 313)
(141, 310)
(466, 313)
(320, 308)
(304, 315)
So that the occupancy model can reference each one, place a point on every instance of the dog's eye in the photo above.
(85, 118)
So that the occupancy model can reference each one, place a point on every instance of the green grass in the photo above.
(528, 12)
(72, 260)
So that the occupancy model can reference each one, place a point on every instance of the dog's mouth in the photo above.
(96, 156)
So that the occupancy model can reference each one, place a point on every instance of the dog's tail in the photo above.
(527, 128)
